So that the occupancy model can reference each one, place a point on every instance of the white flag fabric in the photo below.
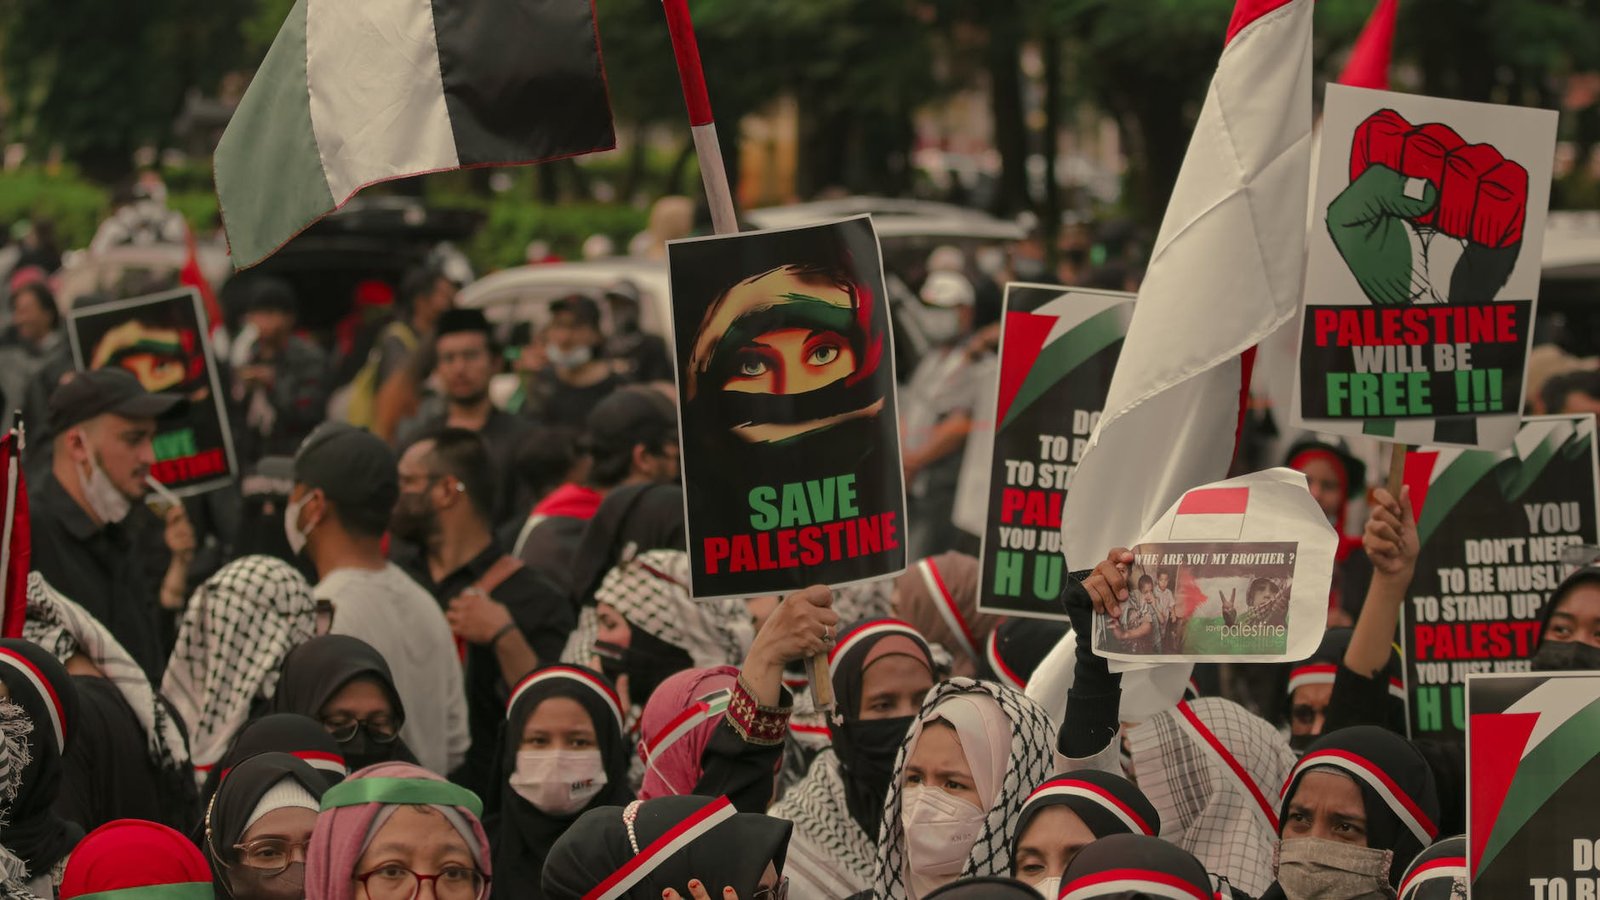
(1225, 273)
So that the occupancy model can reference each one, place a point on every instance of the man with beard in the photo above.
(511, 618)
(465, 359)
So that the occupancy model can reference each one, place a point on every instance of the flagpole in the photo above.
(1397, 469)
(719, 197)
(13, 461)
(701, 124)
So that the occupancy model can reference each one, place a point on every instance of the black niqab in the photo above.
(867, 748)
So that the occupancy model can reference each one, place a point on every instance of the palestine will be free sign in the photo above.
(1424, 268)
(787, 414)
(1058, 348)
(163, 341)
(1493, 528)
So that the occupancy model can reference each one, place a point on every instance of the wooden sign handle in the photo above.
(821, 682)
(1397, 469)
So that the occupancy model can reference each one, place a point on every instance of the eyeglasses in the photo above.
(780, 892)
(382, 727)
(271, 855)
(396, 882)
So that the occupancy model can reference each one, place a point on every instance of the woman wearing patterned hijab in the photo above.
(966, 767)
(1356, 810)
(238, 628)
(882, 671)
(33, 830)
(14, 730)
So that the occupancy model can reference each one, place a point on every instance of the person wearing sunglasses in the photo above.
(395, 831)
(258, 826)
(345, 684)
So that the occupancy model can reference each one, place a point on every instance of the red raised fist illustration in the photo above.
(1428, 217)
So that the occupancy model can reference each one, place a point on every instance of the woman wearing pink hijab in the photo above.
(391, 827)
(676, 726)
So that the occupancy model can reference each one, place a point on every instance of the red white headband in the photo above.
(42, 687)
(1323, 673)
(568, 673)
(1121, 882)
(1094, 794)
(659, 850)
(880, 628)
(1451, 867)
(1394, 797)
(946, 605)
(997, 665)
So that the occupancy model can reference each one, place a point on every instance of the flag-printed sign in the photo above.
(1533, 771)
(163, 340)
(351, 94)
(1235, 571)
(1058, 349)
(1213, 514)
(1494, 528)
(1424, 268)
(787, 409)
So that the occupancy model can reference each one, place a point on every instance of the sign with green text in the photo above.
(1424, 265)
(787, 414)
(162, 339)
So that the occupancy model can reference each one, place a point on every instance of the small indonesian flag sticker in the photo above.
(1211, 514)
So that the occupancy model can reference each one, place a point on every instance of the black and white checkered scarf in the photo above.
(237, 629)
(829, 854)
(651, 591)
(1032, 760)
(66, 629)
(14, 731)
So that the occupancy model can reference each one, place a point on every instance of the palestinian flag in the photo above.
(354, 92)
(1533, 771)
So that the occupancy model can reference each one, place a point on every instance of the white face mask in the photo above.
(568, 359)
(108, 503)
(558, 782)
(1050, 888)
(940, 830)
(1318, 869)
(291, 525)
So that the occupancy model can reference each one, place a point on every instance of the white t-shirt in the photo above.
(388, 610)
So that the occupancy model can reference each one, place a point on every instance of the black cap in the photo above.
(111, 390)
(352, 466)
(272, 295)
(584, 308)
(631, 416)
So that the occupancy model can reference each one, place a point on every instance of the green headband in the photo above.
(794, 311)
(401, 792)
(187, 890)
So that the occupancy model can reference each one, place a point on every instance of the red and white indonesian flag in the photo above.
(1211, 514)
(1225, 273)
(355, 92)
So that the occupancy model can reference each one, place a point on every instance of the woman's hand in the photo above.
(1390, 538)
(1108, 583)
(802, 626)
(697, 891)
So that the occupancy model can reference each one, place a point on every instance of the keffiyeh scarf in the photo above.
(1032, 760)
(65, 629)
(829, 854)
(651, 591)
(235, 633)
(1212, 771)
(14, 730)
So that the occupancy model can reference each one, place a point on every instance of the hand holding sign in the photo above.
(1427, 216)
(1391, 535)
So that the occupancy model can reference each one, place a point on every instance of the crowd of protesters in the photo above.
(440, 643)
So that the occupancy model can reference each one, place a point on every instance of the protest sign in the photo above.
(162, 339)
(1236, 571)
(1533, 772)
(1493, 527)
(786, 395)
(1058, 348)
(1424, 268)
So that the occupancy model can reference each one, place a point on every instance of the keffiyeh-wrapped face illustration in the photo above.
(788, 352)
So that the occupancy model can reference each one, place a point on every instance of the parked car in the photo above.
(523, 294)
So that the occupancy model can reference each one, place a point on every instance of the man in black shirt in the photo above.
(512, 619)
(88, 522)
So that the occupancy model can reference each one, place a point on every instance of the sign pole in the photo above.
(719, 197)
(1397, 468)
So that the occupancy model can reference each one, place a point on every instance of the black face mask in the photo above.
(1566, 656)
(647, 662)
(245, 883)
(867, 750)
(1300, 743)
(362, 751)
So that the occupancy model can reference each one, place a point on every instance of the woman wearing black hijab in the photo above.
(1068, 813)
(646, 849)
(882, 670)
(1135, 865)
(564, 727)
(257, 827)
(32, 830)
(345, 684)
(289, 733)
(1357, 809)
